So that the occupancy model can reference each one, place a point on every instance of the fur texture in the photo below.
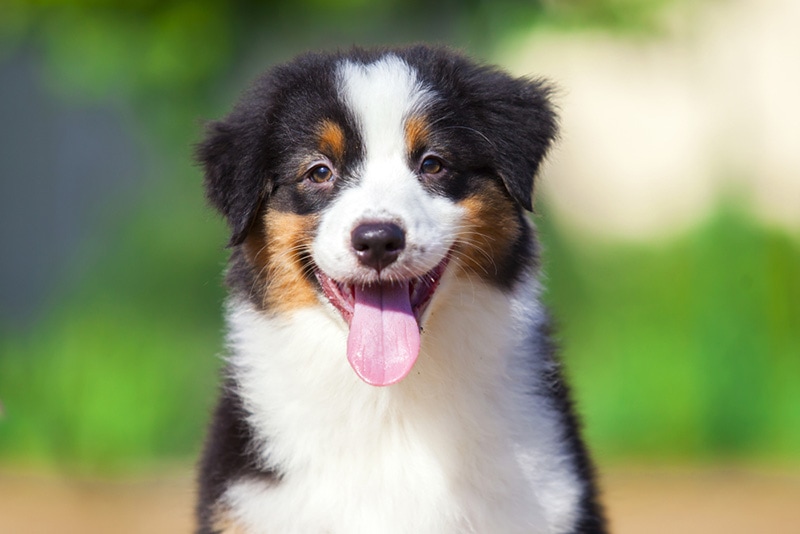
(436, 156)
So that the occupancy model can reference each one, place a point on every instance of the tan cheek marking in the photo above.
(277, 253)
(416, 133)
(490, 230)
(331, 140)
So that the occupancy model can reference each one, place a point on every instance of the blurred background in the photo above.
(670, 213)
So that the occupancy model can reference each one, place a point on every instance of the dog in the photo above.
(390, 367)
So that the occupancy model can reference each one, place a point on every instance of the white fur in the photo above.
(464, 444)
(381, 96)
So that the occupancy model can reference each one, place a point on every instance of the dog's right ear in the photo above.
(236, 181)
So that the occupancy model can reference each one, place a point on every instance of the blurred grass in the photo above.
(686, 348)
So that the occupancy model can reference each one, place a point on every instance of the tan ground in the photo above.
(640, 500)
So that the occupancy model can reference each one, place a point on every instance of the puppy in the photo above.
(390, 368)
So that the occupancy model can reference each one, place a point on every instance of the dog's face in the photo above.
(358, 181)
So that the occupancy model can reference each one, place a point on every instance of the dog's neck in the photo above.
(468, 412)
(298, 387)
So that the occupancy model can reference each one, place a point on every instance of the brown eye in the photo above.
(320, 174)
(431, 165)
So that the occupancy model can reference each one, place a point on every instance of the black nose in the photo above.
(377, 245)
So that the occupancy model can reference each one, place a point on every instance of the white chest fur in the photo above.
(463, 444)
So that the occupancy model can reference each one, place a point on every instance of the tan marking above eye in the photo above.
(417, 131)
(331, 139)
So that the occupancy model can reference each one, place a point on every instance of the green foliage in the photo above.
(687, 348)
(124, 368)
(103, 53)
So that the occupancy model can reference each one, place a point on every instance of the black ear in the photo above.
(236, 181)
(522, 125)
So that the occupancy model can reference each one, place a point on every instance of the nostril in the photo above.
(377, 245)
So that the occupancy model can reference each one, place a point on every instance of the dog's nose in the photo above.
(377, 245)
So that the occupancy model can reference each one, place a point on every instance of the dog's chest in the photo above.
(453, 448)
(402, 480)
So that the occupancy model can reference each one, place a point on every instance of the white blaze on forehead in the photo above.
(385, 185)
(382, 95)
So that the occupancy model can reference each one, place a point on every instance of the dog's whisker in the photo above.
(481, 134)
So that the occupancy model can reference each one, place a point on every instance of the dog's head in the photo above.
(357, 180)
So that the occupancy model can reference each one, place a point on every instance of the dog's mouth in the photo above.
(385, 321)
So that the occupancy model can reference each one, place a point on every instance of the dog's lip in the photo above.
(421, 290)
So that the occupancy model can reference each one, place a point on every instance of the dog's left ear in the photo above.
(522, 125)
(236, 182)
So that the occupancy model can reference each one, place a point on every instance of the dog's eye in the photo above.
(320, 174)
(431, 165)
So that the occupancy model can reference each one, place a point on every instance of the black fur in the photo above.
(230, 453)
(245, 155)
(591, 519)
(503, 126)
(488, 126)
(509, 121)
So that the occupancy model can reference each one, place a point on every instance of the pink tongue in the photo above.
(384, 335)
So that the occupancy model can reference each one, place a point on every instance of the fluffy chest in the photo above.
(415, 492)
(453, 448)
